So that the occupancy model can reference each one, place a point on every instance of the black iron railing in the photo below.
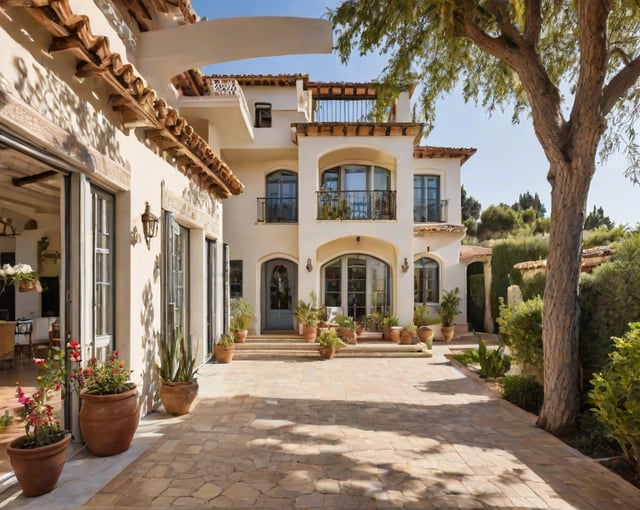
(278, 210)
(356, 205)
(431, 211)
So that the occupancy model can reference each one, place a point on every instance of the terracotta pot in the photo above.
(425, 333)
(394, 334)
(386, 332)
(447, 333)
(38, 469)
(327, 352)
(223, 354)
(29, 286)
(177, 397)
(108, 422)
(406, 337)
(309, 333)
(241, 336)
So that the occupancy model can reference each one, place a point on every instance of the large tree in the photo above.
(573, 64)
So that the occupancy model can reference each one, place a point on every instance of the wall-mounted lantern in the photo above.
(309, 265)
(149, 224)
(405, 265)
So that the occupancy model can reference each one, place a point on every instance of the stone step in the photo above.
(278, 349)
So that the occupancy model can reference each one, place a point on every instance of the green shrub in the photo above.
(493, 362)
(523, 391)
(467, 357)
(533, 286)
(602, 235)
(609, 301)
(507, 253)
(591, 438)
(616, 394)
(521, 329)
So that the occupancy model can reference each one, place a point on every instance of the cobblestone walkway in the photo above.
(352, 433)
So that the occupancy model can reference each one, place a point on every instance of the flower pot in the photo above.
(309, 333)
(327, 352)
(177, 397)
(29, 286)
(425, 333)
(241, 336)
(38, 469)
(447, 333)
(406, 337)
(394, 334)
(386, 332)
(223, 354)
(108, 422)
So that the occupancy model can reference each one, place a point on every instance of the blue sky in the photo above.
(509, 160)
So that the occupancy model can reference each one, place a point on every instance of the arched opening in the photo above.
(426, 281)
(356, 285)
(475, 295)
(279, 294)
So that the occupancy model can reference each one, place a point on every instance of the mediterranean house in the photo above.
(146, 194)
(338, 203)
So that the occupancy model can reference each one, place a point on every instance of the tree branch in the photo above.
(544, 97)
(532, 24)
(619, 84)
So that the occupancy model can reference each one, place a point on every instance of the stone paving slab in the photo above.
(355, 433)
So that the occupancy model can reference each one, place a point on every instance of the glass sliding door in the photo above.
(176, 287)
(103, 272)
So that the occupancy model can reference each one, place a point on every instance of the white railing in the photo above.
(228, 88)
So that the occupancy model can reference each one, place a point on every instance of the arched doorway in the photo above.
(279, 294)
(356, 285)
(475, 295)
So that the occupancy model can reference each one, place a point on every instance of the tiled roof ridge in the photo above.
(433, 151)
(139, 104)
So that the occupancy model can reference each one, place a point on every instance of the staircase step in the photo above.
(285, 349)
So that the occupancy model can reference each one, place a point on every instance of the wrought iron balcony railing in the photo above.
(278, 210)
(356, 205)
(431, 211)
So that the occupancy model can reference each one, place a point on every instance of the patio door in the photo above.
(279, 279)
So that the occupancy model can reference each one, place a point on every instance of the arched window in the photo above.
(281, 202)
(357, 285)
(356, 192)
(426, 281)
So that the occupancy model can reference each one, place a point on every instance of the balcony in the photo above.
(277, 210)
(224, 105)
(356, 205)
(431, 211)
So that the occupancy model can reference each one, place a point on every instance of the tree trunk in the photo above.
(560, 317)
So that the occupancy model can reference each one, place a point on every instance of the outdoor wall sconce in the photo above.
(405, 265)
(149, 224)
(309, 265)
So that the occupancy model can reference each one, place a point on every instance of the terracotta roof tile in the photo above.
(138, 103)
(263, 80)
(429, 151)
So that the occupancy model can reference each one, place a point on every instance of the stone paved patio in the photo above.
(345, 433)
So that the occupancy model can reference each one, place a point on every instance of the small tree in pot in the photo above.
(447, 310)
(329, 342)
(179, 386)
(242, 313)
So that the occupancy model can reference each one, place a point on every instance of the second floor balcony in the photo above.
(431, 211)
(356, 205)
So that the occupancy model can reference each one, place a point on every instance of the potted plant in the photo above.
(178, 382)
(306, 314)
(38, 457)
(394, 328)
(109, 413)
(407, 334)
(22, 276)
(329, 342)
(346, 328)
(447, 310)
(223, 350)
(422, 319)
(242, 313)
